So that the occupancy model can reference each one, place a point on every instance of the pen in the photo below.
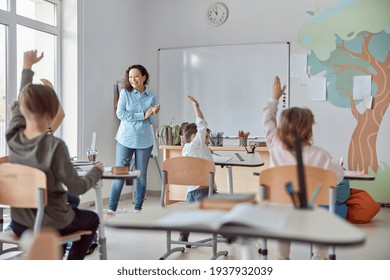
(215, 153)
(290, 191)
(314, 196)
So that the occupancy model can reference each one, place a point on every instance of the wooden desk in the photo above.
(238, 159)
(352, 175)
(243, 181)
(308, 226)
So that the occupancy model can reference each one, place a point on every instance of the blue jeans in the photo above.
(194, 196)
(83, 220)
(197, 195)
(123, 158)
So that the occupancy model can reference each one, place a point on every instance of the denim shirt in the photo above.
(134, 131)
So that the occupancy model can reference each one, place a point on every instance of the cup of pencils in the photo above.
(92, 154)
(243, 138)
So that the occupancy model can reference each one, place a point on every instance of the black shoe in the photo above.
(92, 248)
(183, 238)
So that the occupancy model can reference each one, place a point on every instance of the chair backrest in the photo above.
(23, 186)
(42, 246)
(4, 159)
(274, 180)
(187, 171)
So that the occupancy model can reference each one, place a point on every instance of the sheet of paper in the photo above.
(250, 215)
(361, 87)
(367, 101)
(221, 159)
(317, 88)
(298, 65)
(304, 80)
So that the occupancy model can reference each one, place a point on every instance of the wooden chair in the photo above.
(43, 246)
(24, 186)
(4, 159)
(186, 171)
(272, 188)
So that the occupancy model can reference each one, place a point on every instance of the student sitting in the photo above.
(294, 123)
(196, 141)
(29, 144)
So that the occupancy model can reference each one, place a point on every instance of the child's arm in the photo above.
(60, 114)
(195, 104)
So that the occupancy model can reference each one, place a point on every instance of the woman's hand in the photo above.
(152, 111)
(156, 109)
(277, 89)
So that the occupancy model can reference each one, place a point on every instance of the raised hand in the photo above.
(277, 89)
(30, 58)
(193, 100)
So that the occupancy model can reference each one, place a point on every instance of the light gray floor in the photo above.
(150, 245)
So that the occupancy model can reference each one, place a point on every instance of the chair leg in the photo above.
(332, 252)
(263, 251)
(169, 247)
(215, 253)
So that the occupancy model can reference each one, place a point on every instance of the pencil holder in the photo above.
(219, 141)
(216, 141)
(243, 141)
(92, 154)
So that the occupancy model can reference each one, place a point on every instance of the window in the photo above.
(3, 5)
(43, 11)
(26, 25)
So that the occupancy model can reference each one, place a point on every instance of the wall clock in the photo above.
(218, 13)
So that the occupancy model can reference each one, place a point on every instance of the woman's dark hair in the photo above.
(144, 72)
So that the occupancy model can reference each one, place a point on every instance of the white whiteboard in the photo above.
(231, 83)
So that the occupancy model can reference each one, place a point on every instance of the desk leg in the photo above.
(245, 245)
(229, 179)
(99, 211)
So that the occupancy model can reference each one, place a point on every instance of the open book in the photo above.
(225, 201)
(243, 214)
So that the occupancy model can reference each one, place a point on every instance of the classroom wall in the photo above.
(122, 32)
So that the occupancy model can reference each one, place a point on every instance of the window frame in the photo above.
(11, 20)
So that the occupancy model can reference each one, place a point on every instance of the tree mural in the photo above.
(349, 40)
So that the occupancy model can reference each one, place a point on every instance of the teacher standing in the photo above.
(136, 110)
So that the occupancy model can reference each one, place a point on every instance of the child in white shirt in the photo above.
(196, 141)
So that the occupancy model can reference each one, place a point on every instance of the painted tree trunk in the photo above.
(362, 148)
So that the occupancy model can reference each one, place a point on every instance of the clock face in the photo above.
(217, 13)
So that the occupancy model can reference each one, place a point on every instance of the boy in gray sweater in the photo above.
(29, 144)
